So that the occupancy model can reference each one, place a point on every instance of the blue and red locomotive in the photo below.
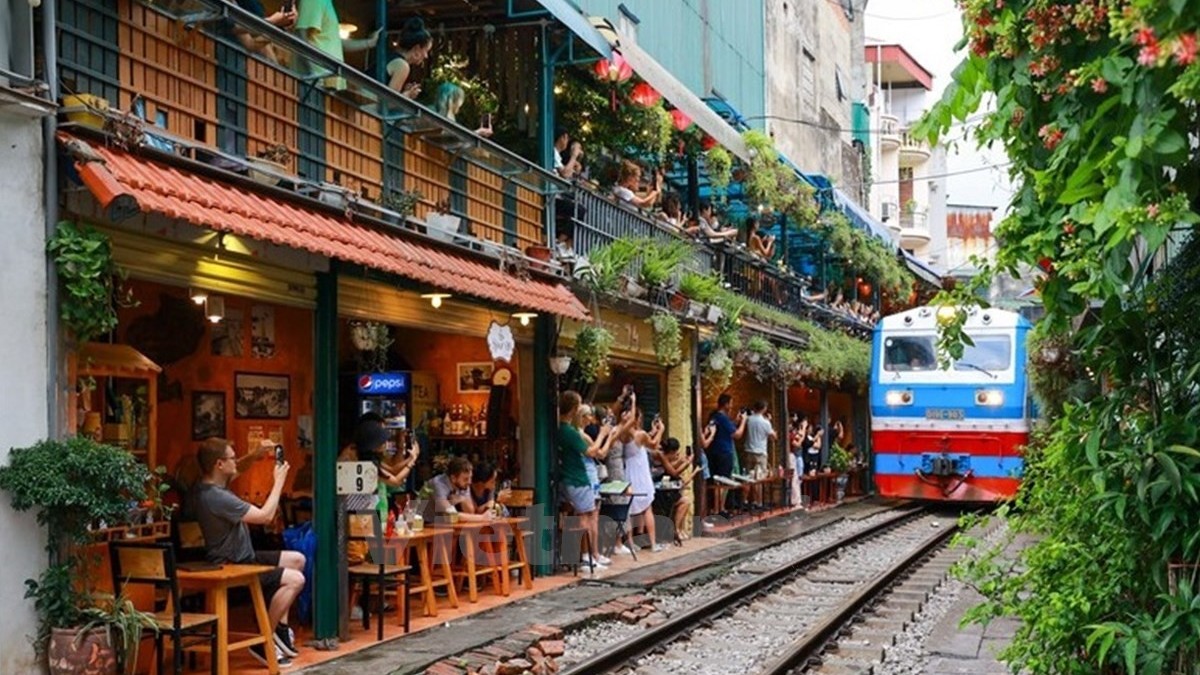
(951, 434)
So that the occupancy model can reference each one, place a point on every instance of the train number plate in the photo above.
(944, 414)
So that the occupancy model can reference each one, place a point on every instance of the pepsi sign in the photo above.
(383, 384)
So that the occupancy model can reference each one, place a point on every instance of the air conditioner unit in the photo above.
(890, 210)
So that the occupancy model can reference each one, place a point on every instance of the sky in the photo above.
(929, 30)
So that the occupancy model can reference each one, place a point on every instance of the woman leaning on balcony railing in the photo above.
(629, 180)
(284, 19)
(415, 44)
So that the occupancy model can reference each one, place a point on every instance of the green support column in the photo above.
(546, 109)
(545, 417)
(326, 604)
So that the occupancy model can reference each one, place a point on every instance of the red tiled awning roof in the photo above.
(121, 177)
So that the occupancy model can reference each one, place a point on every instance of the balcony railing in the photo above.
(914, 219)
(889, 130)
(179, 67)
(913, 150)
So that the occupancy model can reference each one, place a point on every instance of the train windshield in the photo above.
(909, 353)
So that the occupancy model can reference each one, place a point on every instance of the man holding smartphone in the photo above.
(224, 519)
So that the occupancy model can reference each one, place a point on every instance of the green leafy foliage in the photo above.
(88, 278)
(71, 484)
(609, 262)
(700, 287)
(1096, 106)
(593, 344)
(719, 164)
(667, 338)
(661, 260)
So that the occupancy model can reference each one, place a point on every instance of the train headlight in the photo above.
(989, 397)
(898, 397)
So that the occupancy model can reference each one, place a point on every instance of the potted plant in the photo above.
(75, 484)
(90, 281)
(271, 165)
(719, 163)
(403, 202)
(608, 264)
(592, 347)
(660, 260)
(667, 338)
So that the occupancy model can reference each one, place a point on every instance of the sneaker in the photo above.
(602, 560)
(285, 639)
(659, 548)
(260, 655)
(587, 560)
(622, 549)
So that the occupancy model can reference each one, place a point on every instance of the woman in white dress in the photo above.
(638, 445)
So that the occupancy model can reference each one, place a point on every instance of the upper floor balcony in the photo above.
(346, 138)
(889, 132)
(913, 228)
(913, 151)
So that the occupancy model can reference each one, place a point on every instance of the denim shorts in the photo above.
(581, 498)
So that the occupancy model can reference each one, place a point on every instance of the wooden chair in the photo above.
(154, 565)
(518, 504)
(383, 569)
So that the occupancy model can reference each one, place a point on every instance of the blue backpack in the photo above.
(302, 538)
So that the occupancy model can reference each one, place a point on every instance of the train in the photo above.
(951, 434)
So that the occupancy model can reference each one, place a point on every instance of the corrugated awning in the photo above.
(577, 23)
(675, 91)
(140, 184)
(923, 271)
(862, 219)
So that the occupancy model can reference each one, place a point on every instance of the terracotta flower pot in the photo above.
(72, 654)
(542, 253)
(679, 302)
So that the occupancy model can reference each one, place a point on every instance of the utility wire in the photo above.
(967, 124)
(985, 167)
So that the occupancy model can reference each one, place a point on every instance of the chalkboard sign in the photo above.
(648, 387)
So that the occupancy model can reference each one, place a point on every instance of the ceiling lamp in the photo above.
(435, 299)
(214, 309)
(524, 317)
(345, 30)
(198, 295)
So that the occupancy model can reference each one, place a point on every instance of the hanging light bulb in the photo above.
(436, 299)
(345, 30)
(198, 295)
(524, 317)
(214, 309)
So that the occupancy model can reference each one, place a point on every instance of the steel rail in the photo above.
(647, 641)
(813, 642)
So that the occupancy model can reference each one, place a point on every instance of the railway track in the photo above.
(782, 618)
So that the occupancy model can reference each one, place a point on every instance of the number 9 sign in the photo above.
(356, 478)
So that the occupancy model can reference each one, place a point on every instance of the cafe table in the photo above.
(215, 584)
(471, 534)
(430, 545)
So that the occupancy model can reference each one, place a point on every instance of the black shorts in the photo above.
(270, 581)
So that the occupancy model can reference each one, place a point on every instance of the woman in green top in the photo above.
(573, 450)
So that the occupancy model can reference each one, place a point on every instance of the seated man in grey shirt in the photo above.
(452, 491)
(223, 518)
(759, 432)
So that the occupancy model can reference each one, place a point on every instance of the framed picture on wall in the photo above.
(208, 414)
(262, 396)
(474, 377)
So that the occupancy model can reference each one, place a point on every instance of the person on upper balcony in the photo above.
(629, 179)
(568, 154)
(759, 244)
(672, 212)
(706, 226)
(284, 19)
(415, 44)
(317, 24)
(450, 99)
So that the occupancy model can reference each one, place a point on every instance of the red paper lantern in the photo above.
(680, 119)
(645, 95)
(615, 71)
(708, 143)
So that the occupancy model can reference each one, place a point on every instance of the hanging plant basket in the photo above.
(593, 345)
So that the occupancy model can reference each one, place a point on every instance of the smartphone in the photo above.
(408, 444)
(279, 454)
(657, 417)
(487, 121)
(288, 7)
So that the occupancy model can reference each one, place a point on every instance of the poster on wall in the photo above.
(262, 331)
(474, 378)
(208, 415)
(226, 336)
(257, 433)
(262, 396)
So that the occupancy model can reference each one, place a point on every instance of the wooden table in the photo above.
(471, 533)
(429, 545)
(216, 584)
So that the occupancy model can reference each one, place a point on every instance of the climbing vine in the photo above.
(1095, 102)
